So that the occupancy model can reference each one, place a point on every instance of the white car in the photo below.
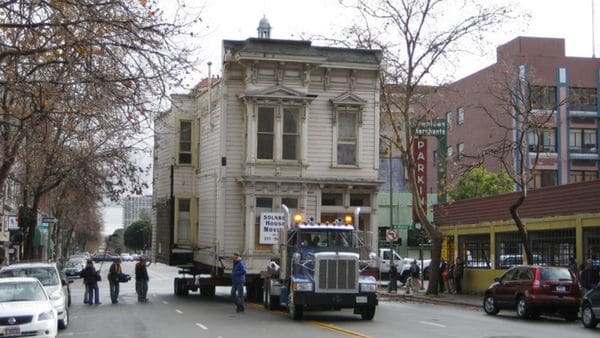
(26, 309)
(56, 286)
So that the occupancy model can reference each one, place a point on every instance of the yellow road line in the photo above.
(336, 329)
(321, 325)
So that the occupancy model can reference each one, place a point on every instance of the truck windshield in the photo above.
(326, 239)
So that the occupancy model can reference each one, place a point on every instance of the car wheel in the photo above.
(522, 309)
(63, 323)
(587, 317)
(489, 305)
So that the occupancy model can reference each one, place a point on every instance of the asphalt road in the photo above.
(193, 316)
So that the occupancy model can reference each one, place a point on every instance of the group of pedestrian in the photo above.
(451, 275)
(91, 277)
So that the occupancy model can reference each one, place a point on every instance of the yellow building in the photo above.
(561, 222)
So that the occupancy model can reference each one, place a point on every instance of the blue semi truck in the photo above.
(319, 267)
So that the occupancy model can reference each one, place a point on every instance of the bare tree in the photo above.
(417, 38)
(523, 112)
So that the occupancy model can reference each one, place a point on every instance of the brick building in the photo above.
(561, 88)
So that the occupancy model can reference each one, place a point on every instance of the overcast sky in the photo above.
(238, 20)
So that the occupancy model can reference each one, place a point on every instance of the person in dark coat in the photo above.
(238, 279)
(393, 285)
(589, 276)
(141, 279)
(113, 280)
(443, 267)
(91, 277)
(459, 268)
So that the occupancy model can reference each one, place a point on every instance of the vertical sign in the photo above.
(420, 156)
(270, 224)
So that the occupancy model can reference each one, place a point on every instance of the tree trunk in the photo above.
(434, 267)
(514, 212)
(31, 222)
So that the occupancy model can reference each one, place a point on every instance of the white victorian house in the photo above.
(287, 123)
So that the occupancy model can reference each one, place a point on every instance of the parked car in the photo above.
(533, 290)
(26, 309)
(590, 308)
(104, 257)
(73, 268)
(126, 257)
(55, 284)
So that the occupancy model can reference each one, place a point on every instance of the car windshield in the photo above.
(21, 291)
(46, 275)
(555, 274)
(74, 264)
(326, 239)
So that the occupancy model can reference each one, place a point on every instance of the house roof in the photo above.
(568, 199)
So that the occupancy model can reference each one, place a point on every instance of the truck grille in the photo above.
(337, 275)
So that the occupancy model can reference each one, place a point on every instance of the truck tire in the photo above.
(180, 288)
(368, 313)
(295, 312)
(207, 290)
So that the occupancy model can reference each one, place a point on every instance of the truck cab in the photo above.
(320, 269)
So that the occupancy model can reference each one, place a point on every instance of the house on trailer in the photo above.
(287, 123)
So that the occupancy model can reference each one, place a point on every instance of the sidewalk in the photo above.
(467, 300)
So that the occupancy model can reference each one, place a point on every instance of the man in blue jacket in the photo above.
(238, 279)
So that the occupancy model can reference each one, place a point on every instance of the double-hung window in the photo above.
(266, 133)
(347, 140)
(185, 142)
(185, 220)
(278, 138)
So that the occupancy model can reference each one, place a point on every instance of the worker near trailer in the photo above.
(238, 279)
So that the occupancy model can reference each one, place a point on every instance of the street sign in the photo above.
(391, 235)
(13, 222)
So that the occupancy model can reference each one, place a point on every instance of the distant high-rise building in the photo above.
(136, 208)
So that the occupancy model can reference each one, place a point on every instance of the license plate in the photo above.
(361, 299)
(12, 330)
(561, 288)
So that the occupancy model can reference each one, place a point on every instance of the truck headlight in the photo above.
(302, 286)
(48, 315)
(368, 287)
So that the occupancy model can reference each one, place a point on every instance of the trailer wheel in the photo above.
(368, 313)
(294, 311)
(176, 287)
(207, 290)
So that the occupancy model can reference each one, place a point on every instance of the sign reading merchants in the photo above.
(270, 224)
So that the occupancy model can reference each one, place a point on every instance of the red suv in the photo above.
(532, 290)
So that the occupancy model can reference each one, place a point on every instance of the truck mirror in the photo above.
(372, 256)
(296, 257)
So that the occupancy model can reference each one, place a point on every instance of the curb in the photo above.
(429, 300)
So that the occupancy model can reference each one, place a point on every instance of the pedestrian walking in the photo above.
(589, 276)
(393, 284)
(141, 279)
(412, 282)
(443, 266)
(459, 268)
(91, 277)
(238, 279)
(573, 267)
(114, 274)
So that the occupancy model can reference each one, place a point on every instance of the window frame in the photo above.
(542, 97)
(193, 226)
(583, 99)
(460, 116)
(460, 153)
(349, 140)
(543, 136)
(278, 134)
(192, 151)
(579, 135)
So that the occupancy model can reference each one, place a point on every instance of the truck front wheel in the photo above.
(368, 313)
